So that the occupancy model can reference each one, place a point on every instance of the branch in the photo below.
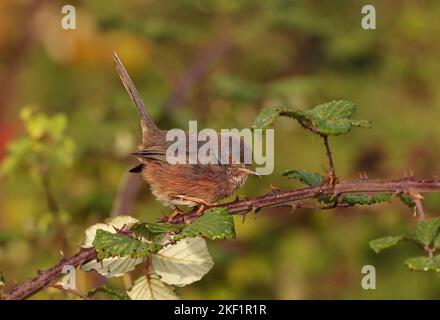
(330, 158)
(45, 278)
(276, 198)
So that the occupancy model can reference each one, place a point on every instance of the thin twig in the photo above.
(330, 158)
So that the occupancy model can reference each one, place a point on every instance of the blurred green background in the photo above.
(219, 62)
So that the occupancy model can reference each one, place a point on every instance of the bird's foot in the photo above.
(195, 200)
(176, 212)
(200, 210)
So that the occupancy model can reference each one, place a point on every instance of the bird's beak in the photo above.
(249, 172)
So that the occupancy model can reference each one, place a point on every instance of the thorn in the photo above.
(254, 211)
(61, 253)
(416, 196)
(274, 190)
(294, 206)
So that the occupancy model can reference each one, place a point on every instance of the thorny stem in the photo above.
(45, 278)
(330, 159)
(275, 198)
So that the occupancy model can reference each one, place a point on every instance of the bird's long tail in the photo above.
(146, 122)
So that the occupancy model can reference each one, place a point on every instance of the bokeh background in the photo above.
(219, 62)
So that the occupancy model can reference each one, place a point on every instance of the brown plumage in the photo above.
(179, 184)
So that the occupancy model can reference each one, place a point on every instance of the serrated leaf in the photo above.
(150, 230)
(109, 244)
(308, 178)
(331, 118)
(427, 230)
(266, 117)
(151, 288)
(384, 243)
(424, 263)
(184, 262)
(90, 233)
(110, 267)
(215, 224)
(111, 225)
(115, 294)
(365, 199)
(407, 200)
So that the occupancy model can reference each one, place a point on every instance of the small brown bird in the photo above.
(180, 184)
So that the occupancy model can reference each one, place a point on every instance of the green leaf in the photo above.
(308, 178)
(109, 244)
(115, 294)
(365, 199)
(407, 200)
(266, 117)
(215, 224)
(424, 263)
(150, 230)
(384, 243)
(331, 118)
(427, 230)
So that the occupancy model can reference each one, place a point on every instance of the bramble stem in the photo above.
(330, 158)
(277, 198)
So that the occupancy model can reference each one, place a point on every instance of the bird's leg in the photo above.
(203, 204)
(200, 209)
(176, 212)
